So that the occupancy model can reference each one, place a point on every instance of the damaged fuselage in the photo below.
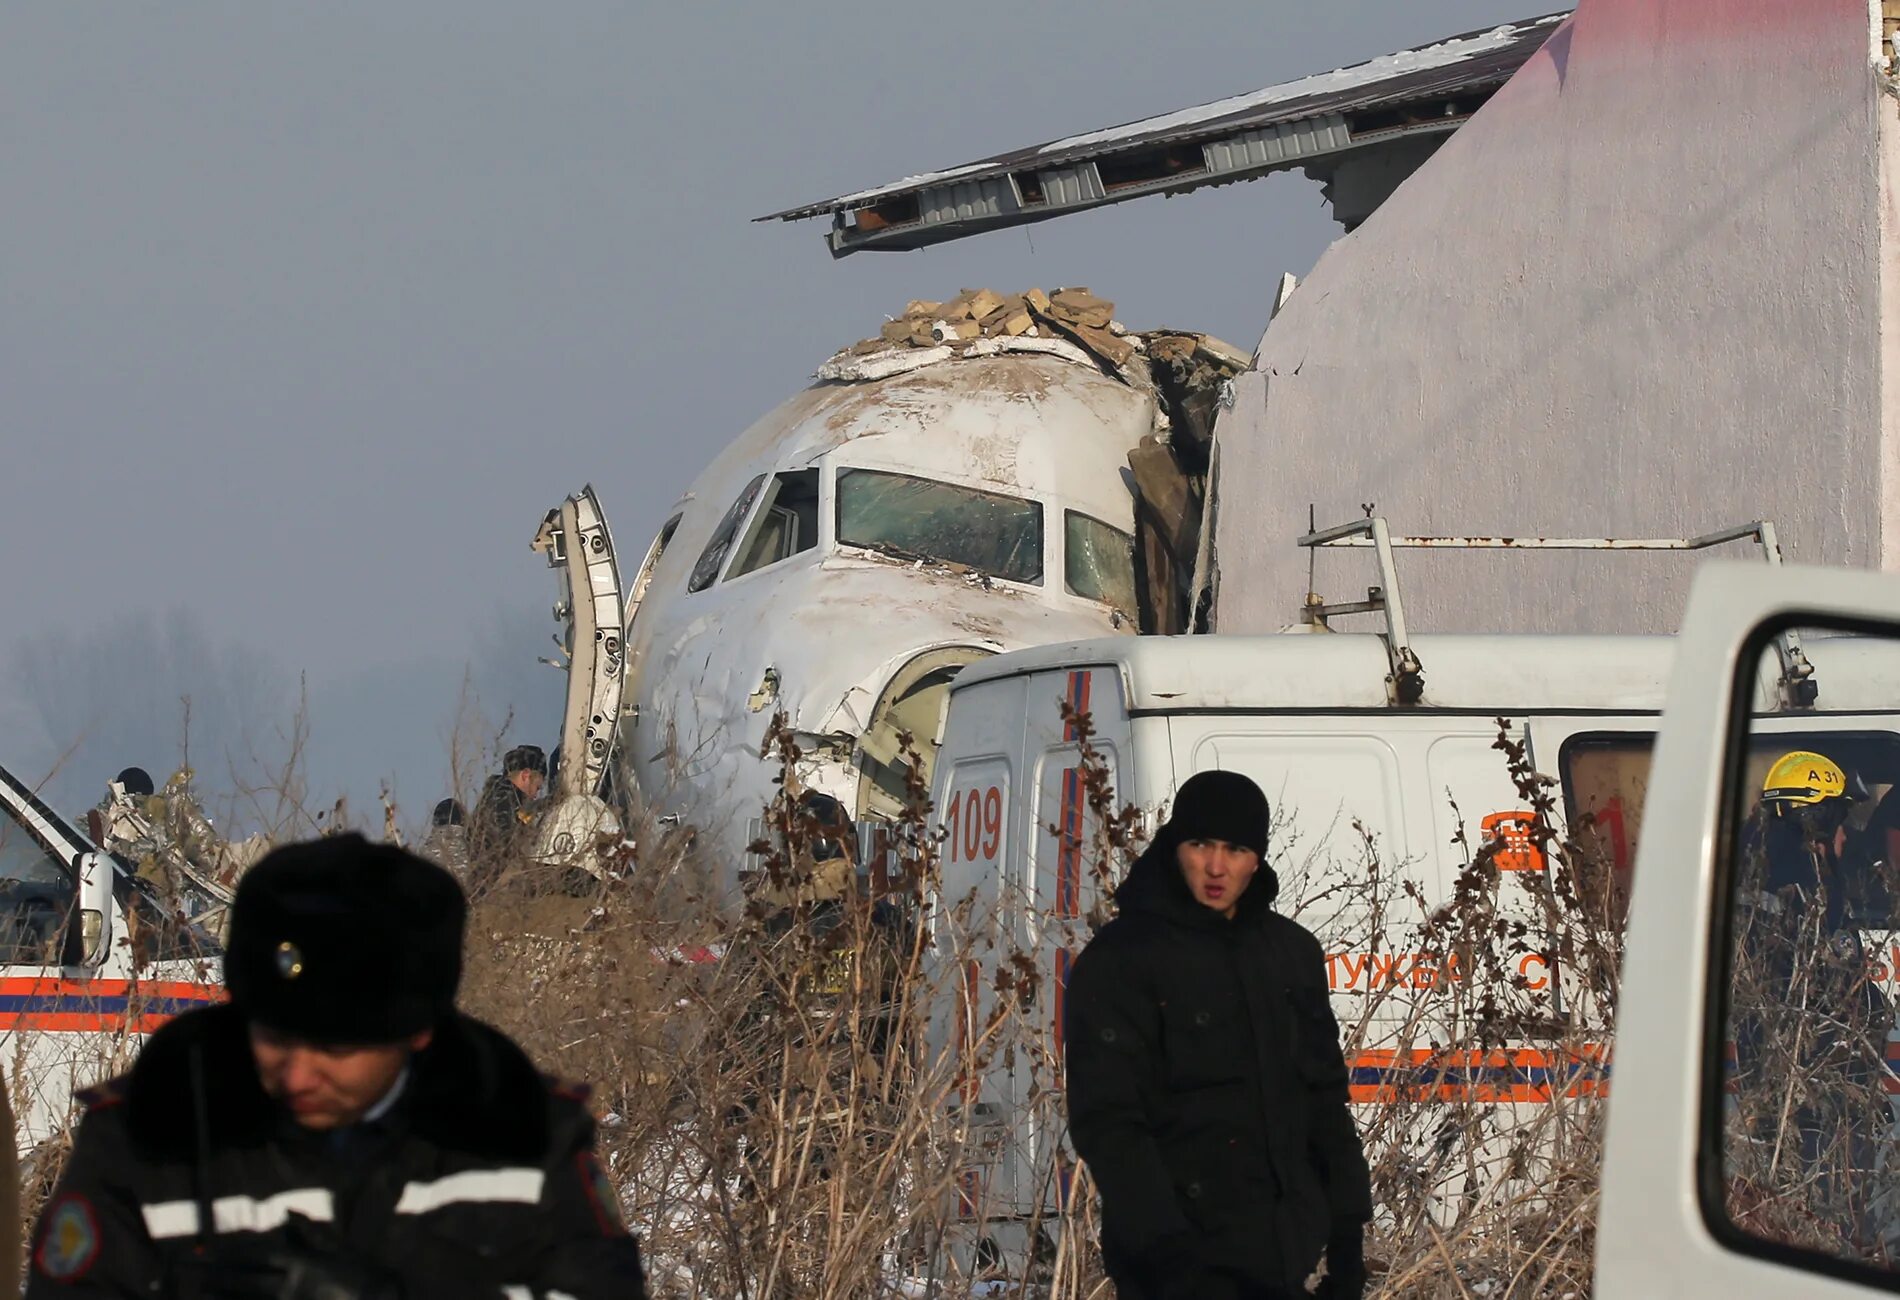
(849, 552)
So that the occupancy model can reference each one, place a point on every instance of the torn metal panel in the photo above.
(1167, 519)
(1361, 129)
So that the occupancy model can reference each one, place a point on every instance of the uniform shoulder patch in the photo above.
(69, 1239)
(101, 1095)
(603, 1198)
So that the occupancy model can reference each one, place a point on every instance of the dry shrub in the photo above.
(1480, 1045)
(786, 1100)
(775, 1139)
(1807, 1141)
(783, 1120)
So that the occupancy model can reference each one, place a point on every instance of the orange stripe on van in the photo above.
(1069, 846)
(1497, 1075)
(94, 1006)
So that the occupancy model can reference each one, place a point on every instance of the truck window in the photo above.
(1798, 1096)
(921, 519)
(37, 894)
(713, 558)
(1604, 777)
(1098, 561)
(785, 525)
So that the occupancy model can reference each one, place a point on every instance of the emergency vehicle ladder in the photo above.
(1405, 682)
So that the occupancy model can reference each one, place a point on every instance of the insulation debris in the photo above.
(983, 322)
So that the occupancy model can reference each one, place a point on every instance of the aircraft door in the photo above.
(580, 549)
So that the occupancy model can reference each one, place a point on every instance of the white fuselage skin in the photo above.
(818, 635)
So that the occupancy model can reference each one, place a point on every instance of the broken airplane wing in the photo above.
(1360, 131)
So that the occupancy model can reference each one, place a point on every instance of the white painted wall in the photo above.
(1640, 293)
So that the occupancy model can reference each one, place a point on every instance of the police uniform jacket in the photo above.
(479, 1181)
(1206, 1087)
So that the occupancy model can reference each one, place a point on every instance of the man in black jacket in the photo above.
(504, 811)
(338, 1131)
(1206, 1087)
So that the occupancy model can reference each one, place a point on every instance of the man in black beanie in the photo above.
(338, 1131)
(1206, 1088)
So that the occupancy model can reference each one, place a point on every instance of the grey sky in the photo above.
(307, 312)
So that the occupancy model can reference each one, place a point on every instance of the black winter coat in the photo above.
(1206, 1087)
(480, 1183)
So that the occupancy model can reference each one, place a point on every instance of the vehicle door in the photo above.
(1079, 744)
(1750, 1151)
(60, 1027)
(1587, 820)
(972, 926)
(1337, 839)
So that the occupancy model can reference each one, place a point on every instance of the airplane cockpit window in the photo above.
(37, 894)
(713, 558)
(1098, 561)
(786, 524)
(920, 519)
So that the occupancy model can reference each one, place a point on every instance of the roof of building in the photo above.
(1406, 96)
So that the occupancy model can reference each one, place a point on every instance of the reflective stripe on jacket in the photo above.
(479, 1183)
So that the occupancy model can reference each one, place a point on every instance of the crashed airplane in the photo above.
(987, 473)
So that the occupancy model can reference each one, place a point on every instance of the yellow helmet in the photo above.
(1803, 778)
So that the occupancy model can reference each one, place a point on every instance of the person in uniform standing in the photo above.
(338, 1130)
(1206, 1087)
(503, 812)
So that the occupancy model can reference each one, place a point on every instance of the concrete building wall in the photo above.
(1640, 293)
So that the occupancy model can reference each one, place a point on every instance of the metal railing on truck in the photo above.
(1405, 680)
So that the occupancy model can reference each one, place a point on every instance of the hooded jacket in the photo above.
(1206, 1087)
(479, 1183)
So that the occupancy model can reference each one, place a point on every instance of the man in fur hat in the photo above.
(338, 1130)
(1206, 1087)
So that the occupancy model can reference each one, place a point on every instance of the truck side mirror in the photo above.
(94, 874)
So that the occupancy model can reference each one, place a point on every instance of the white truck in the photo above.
(1391, 767)
(90, 962)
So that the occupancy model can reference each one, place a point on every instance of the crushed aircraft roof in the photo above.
(1408, 96)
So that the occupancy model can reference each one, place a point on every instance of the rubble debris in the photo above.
(976, 315)
(983, 322)
(1187, 373)
(172, 845)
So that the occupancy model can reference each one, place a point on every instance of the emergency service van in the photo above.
(90, 962)
(1394, 767)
